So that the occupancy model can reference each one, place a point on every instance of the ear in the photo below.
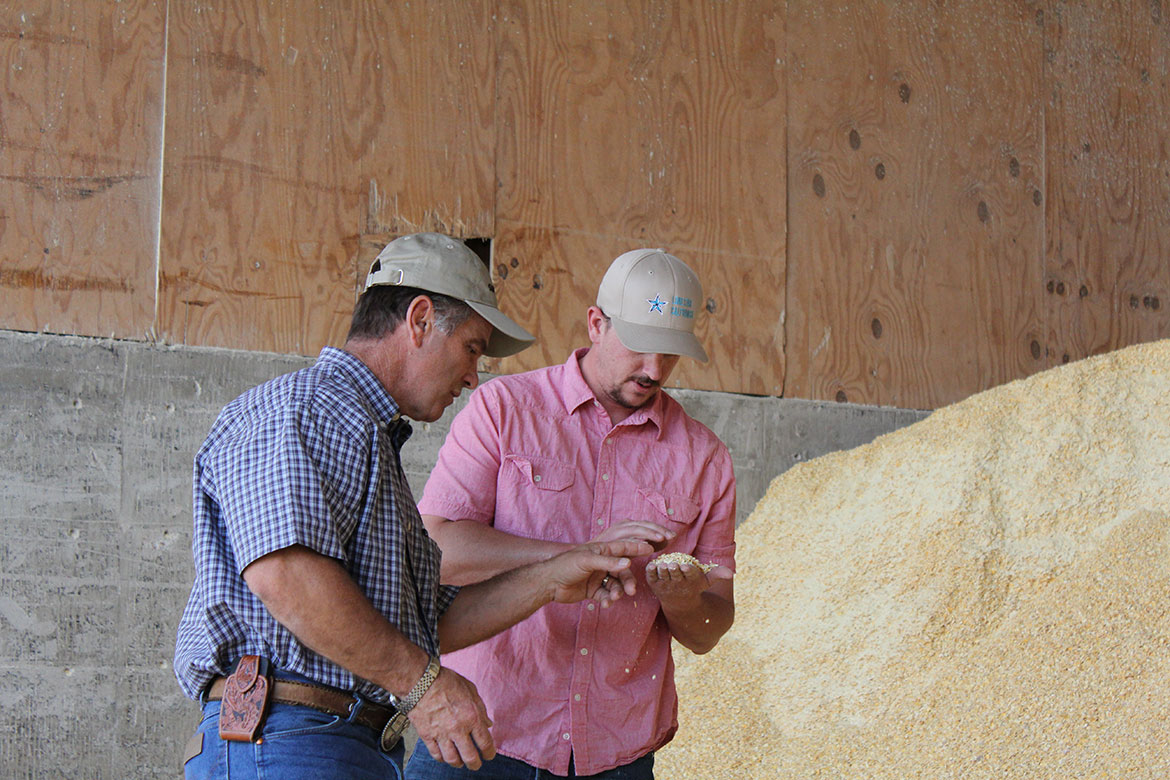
(597, 324)
(420, 319)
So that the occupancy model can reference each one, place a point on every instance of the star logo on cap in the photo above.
(656, 304)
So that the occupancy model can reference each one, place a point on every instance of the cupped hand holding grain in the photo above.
(679, 576)
(696, 599)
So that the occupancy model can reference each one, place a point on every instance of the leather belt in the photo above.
(328, 700)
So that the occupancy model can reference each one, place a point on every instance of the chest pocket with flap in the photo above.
(541, 472)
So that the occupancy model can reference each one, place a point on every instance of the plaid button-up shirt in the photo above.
(310, 458)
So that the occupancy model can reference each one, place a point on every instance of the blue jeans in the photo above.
(297, 743)
(422, 767)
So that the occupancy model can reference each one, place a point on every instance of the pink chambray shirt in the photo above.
(535, 455)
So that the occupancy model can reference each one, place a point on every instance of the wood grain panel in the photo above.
(645, 124)
(303, 126)
(1108, 128)
(80, 153)
(915, 172)
(428, 117)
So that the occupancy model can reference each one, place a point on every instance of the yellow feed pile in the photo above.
(985, 593)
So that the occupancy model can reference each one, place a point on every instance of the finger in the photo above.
(468, 752)
(449, 753)
(720, 573)
(631, 548)
(483, 740)
(605, 565)
(433, 749)
(673, 572)
(610, 588)
(645, 529)
(602, 591)
(661, 570)
(653, 533)
(624, 581)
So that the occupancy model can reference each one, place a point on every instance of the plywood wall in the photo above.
(296, 127)
(896, 203)
(644, 124)
(1107, 269)
(915, 230)
(81, 123)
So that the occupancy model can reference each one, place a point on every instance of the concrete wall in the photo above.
(97, 440)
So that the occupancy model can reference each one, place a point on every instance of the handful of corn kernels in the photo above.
(681, 558)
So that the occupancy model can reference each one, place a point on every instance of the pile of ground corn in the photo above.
(985, 593)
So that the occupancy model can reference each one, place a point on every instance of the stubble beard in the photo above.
(615, 392)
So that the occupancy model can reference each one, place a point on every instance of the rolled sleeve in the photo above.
(716, 543)
(290, 490)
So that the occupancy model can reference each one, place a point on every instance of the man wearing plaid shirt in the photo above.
(316, 617)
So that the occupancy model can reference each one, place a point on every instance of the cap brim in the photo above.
(507, 337)
(664, 341)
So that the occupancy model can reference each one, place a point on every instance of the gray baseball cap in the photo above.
(650, 297)
(441, 264)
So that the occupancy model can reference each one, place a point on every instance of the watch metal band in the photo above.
(429, 674)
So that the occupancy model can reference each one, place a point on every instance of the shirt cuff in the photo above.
(453, 510)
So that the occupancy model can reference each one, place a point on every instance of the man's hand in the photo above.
(599, 570)
(622, 581)
(681, 583)
(698, 606)
(655, 534)
(453, 723)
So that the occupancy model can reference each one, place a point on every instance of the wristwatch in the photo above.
(398, 721)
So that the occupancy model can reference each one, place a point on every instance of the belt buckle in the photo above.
(393, 730)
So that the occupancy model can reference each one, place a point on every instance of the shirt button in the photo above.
(584, 651)
(600, 521)
(668, 511)
(565, 735)
(589, 606)
(577, 697)
(605, 477)
(536, 478)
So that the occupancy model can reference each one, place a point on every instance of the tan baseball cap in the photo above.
(650, 296)
(441, 264)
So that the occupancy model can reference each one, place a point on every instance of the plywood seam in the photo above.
(153, 335)
(786, 281)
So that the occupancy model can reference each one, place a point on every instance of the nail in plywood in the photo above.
(81, 117)
(1107, 283)
(914, 239)
(645, 124)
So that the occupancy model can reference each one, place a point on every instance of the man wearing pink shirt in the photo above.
(589, 450)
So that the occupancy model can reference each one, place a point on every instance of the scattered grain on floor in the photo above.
(985, 593)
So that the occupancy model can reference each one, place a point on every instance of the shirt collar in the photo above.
(382, 404)
(575, 393)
